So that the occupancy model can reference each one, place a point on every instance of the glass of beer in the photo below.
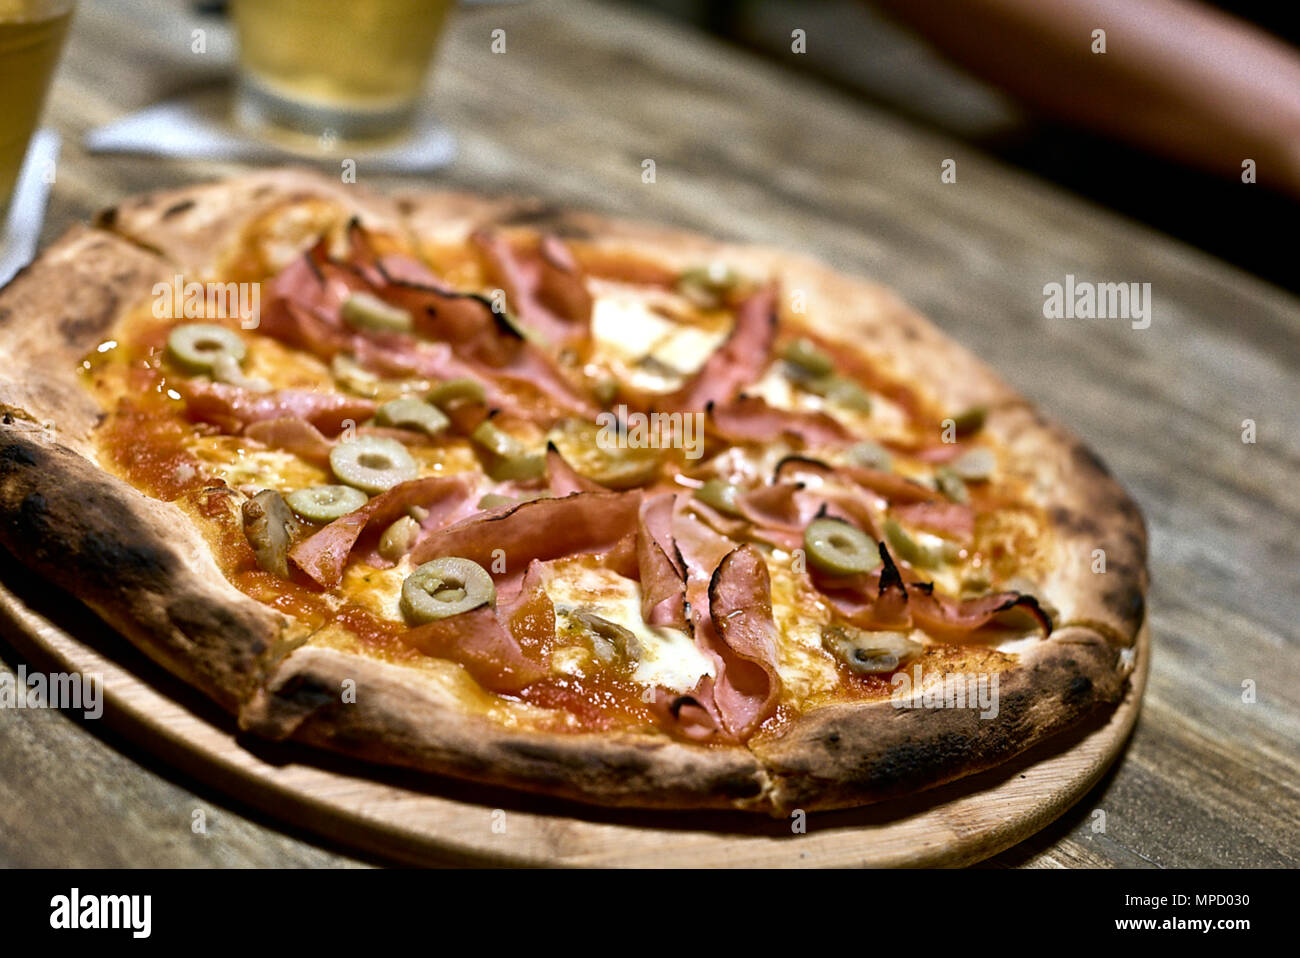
(351, 69)
(31, 39)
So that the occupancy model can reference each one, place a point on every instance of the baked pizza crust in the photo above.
(200, 229)
(400, 719)
(138, 562)
(148, 571)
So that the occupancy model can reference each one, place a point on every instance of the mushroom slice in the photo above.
(270, 527)
(868, 653)
(609, 640)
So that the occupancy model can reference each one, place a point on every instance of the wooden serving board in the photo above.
(422, 819)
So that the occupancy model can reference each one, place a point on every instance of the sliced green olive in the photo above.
(496, 440)
(412, 413)
(511, 459)
(325, 503)
(270, 529)
(951, 485)
(719, 495)
(970, 421)
(199, 346)
(708, 286)
(366, 311)
(445, 587)
(844, 391)
(355, 378)
(871, 455)
(810, 360)
(398, 538)
(868, 653)
(456, 391)
(226, 369)
(838, 548)
(494, 500)
(612, 461)
(903, 546)
(914, 553)
(531, 465)
(609, 640)
(976, 465)
(372, 463)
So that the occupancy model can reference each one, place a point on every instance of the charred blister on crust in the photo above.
(842, 756)
(177, 208)
(95, 536)
(545, 216)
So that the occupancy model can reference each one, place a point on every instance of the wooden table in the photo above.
(754, 151)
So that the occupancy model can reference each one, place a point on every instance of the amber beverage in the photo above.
(349, 68)
(31, 39)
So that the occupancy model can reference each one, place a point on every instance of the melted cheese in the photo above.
(630, 325)
(887, 420)
(669, 657)
(284, 368)
(234, 459)
(804, 666)
(378, 591)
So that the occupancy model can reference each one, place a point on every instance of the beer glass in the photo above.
(353, 69)
(31, 39)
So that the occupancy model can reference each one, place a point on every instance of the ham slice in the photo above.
(889, 485)
(956, 617)
(883, 600)
(779, 513)
(744, 693)
(563, 478)
(294, 435)
(693, 715)
(304, 310)
(739, 361)
(505, 542)
(751, 419)
(324, 555)
(231, 408)
(482, 643)
(949, 519)
(504, 649)
(545, 288)
(740, 607)
(660, 568)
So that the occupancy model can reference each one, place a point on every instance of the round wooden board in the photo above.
(423, 819)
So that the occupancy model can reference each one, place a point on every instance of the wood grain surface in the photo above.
(752, 151)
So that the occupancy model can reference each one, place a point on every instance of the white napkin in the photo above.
(198, 125)
(22, 227)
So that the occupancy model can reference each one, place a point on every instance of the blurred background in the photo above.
(865, 51)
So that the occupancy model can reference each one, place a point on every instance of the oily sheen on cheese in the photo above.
(626, 328)
(670, 657)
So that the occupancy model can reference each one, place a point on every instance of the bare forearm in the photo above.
(1177, 77)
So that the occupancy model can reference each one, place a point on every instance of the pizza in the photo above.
(537, 498)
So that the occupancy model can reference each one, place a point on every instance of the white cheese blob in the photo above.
(669, 657)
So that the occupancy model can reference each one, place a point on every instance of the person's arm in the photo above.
(1177, 78)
